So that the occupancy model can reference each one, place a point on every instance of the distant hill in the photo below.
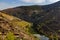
(47, 17)
(25, 12)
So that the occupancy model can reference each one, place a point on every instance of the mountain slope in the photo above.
(12, 27)
(45, 19)
(25, 12)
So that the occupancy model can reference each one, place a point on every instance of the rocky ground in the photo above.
(8, 27)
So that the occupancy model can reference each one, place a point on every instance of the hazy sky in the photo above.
(13, 3)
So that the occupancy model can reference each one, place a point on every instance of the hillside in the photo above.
(26, 12)
(45, 19)
(12, 28)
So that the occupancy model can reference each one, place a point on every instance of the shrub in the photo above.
(10, 36)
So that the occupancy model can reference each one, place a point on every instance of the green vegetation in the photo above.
(13, 28)
(45, 19)
(10, 36)
(51, 36)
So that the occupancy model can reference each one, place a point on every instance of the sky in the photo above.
(4, 4)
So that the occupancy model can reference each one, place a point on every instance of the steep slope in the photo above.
(12, 28)
(47, 17)
(26, 12)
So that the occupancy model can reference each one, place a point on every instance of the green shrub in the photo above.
(10, 36)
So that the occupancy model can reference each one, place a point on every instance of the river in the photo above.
(41, 37)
